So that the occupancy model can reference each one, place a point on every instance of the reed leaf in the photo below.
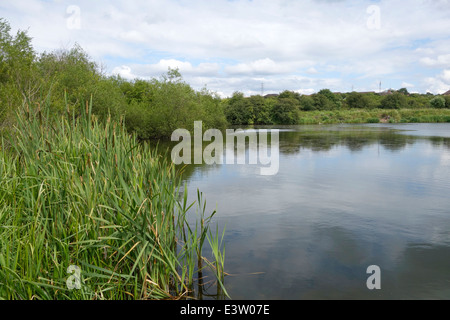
(76, 191)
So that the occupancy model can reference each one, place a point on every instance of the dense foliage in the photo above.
(78, 191)
(292, 108)
(66, 79)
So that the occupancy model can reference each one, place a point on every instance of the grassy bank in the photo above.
(375, 116)
(77, 192)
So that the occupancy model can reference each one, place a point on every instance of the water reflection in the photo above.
(294, 139)
(345, 197)
(354, 138)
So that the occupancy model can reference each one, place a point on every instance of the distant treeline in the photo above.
(289, 107)
(155, 108)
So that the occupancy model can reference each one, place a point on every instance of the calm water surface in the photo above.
(345, 197)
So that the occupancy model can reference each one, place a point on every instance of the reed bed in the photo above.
(78, 192)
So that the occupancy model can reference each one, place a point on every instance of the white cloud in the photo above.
(157, 69)
(282, 41)
(259, 67)
(445, 76)
(124, 72)
(439, 61)
(306, 91)
(312, 70)
(440, 83)
(407, 85)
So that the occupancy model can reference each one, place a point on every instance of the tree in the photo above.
(157, 107)
(107, 99)
(447, 102)
(174, 104)
(212, 109)
(306, 103)
(261, 110)
(286, 111)
(394, 101)
(18, 77)
(289, 94)
(418, 101)
(357, 100)
(438, 102)
(239, 110)
(71, 72)
(327, 100)
(137, 90)
(403, 91)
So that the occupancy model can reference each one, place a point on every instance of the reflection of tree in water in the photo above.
(318, 139)
(396, 142)
(440, 141)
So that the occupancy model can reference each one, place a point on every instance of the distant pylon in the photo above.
(262, 89)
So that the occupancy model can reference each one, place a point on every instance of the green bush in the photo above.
(285, 111)
(327, 100)
(239, 110)
(447, 102)
(356, 100)
(438, 102)
(306, 103)
(18, 72)
(394, 101)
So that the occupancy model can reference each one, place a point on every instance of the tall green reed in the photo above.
(75, 191)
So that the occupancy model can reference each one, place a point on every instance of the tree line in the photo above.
(65, 79)
(288, 107)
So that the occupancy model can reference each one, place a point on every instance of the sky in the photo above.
(253, 46)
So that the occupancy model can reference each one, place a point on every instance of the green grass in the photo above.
(74, 191)
(428, 115)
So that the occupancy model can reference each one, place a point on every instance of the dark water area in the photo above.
(345, 197)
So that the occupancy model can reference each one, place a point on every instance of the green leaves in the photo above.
(17, 69)
(76, 191)
(158, 107)
(438, 102)
(395, 100)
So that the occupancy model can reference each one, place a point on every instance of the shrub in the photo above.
(447, 102)
(357, 100)
(438, 102)
(394, 101)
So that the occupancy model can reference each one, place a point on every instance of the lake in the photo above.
(345, 197)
